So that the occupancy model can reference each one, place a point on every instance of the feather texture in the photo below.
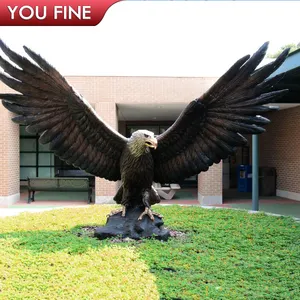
(211, 127)
(49, 106)
(207, 131)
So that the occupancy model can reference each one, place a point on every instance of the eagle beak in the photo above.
(151, 142)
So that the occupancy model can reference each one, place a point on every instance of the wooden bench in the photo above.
(167, 192)
(76, 174)
(58, 184)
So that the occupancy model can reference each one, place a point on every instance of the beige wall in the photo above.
(9, 157)
(280, 148)
(140, 89)
(210, 185)
(104, 189)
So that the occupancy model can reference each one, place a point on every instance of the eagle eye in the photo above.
(146, 135)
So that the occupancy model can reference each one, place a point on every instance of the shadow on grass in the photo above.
(54, 241)
(224, 254)
(220, 230)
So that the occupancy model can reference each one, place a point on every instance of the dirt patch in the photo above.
(89, 231)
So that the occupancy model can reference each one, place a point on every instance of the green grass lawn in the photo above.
(224, 254)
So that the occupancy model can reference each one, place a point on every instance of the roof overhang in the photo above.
(163, 111)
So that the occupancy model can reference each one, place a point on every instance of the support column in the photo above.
(105, 189)
(255, 173)
(210, 186)
(9, 159)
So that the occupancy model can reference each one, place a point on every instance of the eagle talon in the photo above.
(149, 213)
(157, 214)
(115, 212)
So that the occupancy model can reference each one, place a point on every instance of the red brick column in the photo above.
(9, 158)
(105, 189)
(210, 186)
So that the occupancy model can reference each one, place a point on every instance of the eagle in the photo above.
(208, 130)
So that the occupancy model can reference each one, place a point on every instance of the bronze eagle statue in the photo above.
(207, 131)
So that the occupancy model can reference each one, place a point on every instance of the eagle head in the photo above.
(140, 142)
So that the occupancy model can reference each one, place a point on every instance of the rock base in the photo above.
(130, 227)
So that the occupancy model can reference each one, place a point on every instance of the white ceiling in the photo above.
(150, 112)
(162, 112)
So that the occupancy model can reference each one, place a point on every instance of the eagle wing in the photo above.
(49, 106)
(211, 127)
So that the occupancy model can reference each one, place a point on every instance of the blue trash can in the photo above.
(244, 178)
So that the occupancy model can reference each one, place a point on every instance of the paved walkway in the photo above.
(11, 211)
(46, 201)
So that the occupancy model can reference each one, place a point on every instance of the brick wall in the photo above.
(140, 89)
(9, 152)
(104, 189)
(104, 93)
(210, 185)
(209, 182)
(280, 148)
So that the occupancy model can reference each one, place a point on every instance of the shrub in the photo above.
(225, 254)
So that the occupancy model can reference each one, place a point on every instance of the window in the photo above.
(36, 160)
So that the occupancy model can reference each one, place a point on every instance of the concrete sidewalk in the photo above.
(8, 212)
(45, 201)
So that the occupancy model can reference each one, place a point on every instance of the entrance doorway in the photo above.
(231, 173)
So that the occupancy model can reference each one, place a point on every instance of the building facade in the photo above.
(106, 95)
(120, 101)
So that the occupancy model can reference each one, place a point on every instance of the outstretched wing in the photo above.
(49, 106)
(210, 127)
(290, 81)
